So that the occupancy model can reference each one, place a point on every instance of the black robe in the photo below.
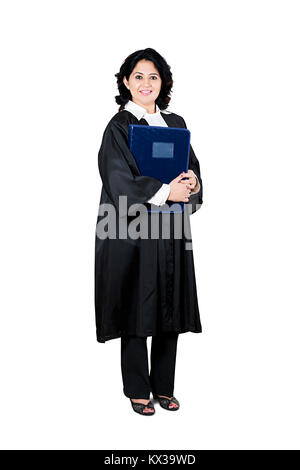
(142, 286)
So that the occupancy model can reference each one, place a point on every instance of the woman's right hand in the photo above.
(179, 192)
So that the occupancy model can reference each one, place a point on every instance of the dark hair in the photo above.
(161, 65)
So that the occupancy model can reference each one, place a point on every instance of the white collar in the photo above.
(139, 112)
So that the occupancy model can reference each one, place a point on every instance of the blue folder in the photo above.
(162, 153)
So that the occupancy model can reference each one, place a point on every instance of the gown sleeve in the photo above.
(196, 200)
(119, 172)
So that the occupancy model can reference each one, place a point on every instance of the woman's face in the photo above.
(144, 83)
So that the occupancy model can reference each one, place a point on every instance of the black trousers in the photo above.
(137, 382)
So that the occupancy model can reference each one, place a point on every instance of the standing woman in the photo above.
(144, 286)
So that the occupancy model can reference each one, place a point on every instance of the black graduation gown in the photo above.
(142, 286)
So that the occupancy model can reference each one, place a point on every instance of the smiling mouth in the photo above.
(145, 92)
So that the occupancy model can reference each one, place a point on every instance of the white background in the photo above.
(236, 75)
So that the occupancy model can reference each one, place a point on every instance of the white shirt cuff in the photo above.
(161, 196)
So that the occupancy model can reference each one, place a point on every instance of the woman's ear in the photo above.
(125, 82)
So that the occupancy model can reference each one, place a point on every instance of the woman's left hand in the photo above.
(191, 182)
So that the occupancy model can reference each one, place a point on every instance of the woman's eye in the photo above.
(139, 76)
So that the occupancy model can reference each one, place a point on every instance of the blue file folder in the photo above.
(162, 153)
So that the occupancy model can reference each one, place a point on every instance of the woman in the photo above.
(144, 286)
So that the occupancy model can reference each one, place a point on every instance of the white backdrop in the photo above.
(236, 75)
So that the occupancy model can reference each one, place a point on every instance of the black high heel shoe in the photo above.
(139, 408)
(166, 402)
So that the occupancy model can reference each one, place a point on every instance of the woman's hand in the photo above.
(181, 190)
(192, 180)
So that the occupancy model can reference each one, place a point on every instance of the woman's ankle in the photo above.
(141, 399)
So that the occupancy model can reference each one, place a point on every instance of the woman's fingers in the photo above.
(191, 182)
(188, 185)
